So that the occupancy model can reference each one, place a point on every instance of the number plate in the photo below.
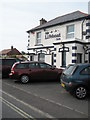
(62, 85)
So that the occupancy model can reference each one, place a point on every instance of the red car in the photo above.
(27, 71)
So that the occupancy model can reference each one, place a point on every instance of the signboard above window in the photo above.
(53, 34)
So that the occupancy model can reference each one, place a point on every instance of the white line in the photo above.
(31, 107)
(15, 108)
(59, 104)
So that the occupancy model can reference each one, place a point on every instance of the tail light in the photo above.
(12, 69)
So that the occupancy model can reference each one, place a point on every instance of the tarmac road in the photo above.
(40, 100)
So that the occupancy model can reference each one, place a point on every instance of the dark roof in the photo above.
(14, 51)
(77, 15)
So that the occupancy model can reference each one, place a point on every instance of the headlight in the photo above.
(70, 83)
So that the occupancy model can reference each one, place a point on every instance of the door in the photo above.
(79, 58)
(85, 75)
(35, 72)
(63, 59)
(49, 73)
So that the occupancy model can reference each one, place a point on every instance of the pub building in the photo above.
(61, 41)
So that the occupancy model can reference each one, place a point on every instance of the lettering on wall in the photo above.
(53, 34)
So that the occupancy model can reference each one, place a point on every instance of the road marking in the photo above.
(31, 107)
(59, 104)
(16, 109)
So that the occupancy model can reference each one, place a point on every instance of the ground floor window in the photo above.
(79, 58)
(31, 58)
(41, 57)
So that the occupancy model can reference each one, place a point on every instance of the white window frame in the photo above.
(38, 39)
(70, 35)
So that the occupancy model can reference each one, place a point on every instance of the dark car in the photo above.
(27, 71)
(5, 66)
(76, 79)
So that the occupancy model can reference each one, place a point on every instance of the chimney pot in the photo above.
(11, 47)
(42, 21)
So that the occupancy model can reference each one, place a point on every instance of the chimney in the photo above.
(11, 48)
(42, 21)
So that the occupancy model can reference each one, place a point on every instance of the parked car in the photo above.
(76, 79)
(5, 66)
(27, 71)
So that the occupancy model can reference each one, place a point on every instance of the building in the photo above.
(9, 52)
(62, 40)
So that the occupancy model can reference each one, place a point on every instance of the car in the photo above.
(76, 79)
(29, 71)
(5, 66)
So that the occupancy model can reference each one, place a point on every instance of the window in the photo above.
(33, 65)
(79, 58)
(86, 71)
(43, 65)
(38, 38)
(22, 66)
(41, 57)
(31, 58)
(70, 31)
(69, 70)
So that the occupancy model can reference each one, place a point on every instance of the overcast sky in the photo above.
(18, 16)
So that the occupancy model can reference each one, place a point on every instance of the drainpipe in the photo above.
(82, 28)
(82, 38)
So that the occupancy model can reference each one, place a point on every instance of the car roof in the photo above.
(31, 62)
(80, 64)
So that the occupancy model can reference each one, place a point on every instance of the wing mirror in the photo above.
(53, 67)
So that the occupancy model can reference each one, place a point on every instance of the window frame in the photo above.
(38, 39)
(70, 35)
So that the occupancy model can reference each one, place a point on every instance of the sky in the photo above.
(19, 16)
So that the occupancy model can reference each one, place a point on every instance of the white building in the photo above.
(61, 41)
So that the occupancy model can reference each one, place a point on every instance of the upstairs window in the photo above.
(38, 38)
(70, 31)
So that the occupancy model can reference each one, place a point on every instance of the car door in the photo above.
(49, 72)
(35, 72)
(85, 75)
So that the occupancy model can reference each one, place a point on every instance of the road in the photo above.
(39, 100)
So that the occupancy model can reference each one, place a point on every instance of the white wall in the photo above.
(61, 29)
(49, 42)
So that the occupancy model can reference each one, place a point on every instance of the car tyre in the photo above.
(81, 92)
(24, 79)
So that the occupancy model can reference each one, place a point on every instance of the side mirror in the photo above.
(53, 67)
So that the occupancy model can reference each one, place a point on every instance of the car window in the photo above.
(43, 65)
(86, 71)
(22, 66)
(32, 65)
(69, 70)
